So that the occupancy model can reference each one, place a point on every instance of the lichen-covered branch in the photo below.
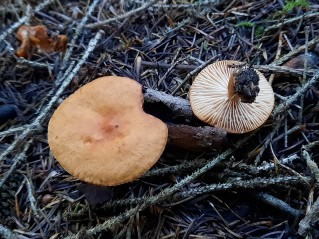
(311, 218)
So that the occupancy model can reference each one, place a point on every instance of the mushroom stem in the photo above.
(232, 95)
(243, 85)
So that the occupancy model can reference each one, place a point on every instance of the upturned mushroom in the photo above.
(231, 96)
(101, 135)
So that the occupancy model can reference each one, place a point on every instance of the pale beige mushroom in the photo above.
(101, 135)
(216, 100)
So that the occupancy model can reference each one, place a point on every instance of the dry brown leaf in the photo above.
(37, 37)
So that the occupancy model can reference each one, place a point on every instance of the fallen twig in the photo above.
(277, 203)
(312, 165)
(267, 141)
(298, 18)
(268, 166)
(278, 53)
(311, 218)
(295, 52)
(192, 73)
(312, 213)
(13, 130)
(123, 16)
(203, 5)
(283, 106)
(16, 161)
(186, 165)
(31, 198)
(180, 107)
(166, 65)
(311, 145)
(34, 64)
(282, 70)
(77, 33)
(199, 190)
(272, 68)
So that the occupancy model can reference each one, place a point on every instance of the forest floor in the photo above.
(260, 184)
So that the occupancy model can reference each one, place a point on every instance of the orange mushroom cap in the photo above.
(101, 135)
(214, 101)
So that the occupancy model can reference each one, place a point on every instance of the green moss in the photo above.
(245, 24)
(259, 31)
(293, 4)
(205, 45)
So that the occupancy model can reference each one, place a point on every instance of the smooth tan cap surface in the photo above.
(101, 135)
(211, 104)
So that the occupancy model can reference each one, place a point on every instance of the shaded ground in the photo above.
(233, 192)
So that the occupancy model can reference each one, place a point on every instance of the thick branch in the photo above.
(196, 138)
(180, 107)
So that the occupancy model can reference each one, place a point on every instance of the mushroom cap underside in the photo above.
(211, 104)
(101, 135)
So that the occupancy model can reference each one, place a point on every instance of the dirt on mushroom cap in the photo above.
(101, 135)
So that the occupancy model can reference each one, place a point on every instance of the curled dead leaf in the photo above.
(37, 37)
